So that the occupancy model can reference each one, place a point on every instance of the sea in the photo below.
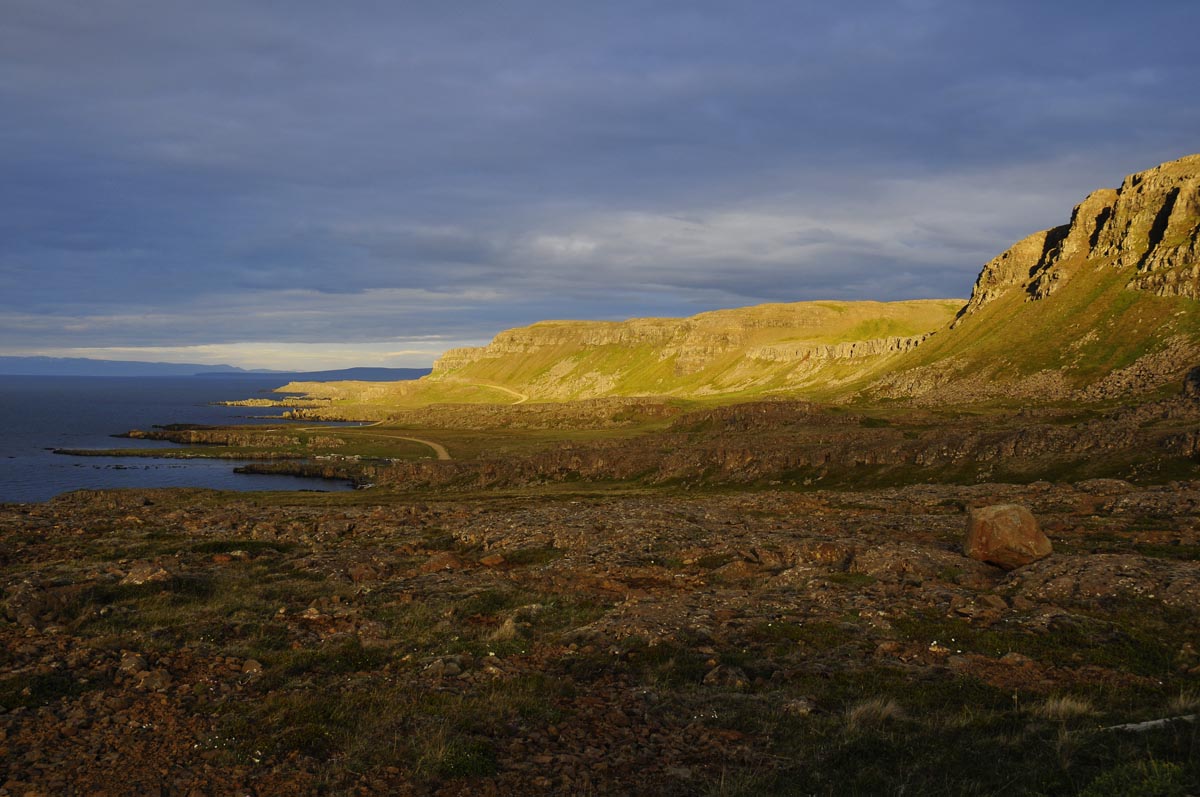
(41, 413)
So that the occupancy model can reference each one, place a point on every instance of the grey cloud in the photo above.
(596, 160)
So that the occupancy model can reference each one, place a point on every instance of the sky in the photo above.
(309, 184)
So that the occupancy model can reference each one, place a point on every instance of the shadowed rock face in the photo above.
(1006, 535)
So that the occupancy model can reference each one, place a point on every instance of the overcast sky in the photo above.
(319, 184)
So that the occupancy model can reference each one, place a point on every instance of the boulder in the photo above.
(1006, 535)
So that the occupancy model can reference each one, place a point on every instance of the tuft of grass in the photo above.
(848, 579)
(1061, 708)
(872, 713)
(1186, 702)
(443, 753)
(34, 690)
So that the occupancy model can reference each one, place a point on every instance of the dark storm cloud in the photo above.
(187, 173)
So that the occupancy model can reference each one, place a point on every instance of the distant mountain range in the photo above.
(82, 366)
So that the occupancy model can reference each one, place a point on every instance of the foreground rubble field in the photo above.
(598, 642)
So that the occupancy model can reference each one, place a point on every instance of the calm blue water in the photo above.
(44, 412)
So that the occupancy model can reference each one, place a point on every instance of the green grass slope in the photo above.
(1095, 339)
(726, 353)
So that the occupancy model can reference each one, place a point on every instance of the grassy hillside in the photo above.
(747, 351)
(723, 355)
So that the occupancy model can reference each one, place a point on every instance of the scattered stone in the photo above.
(153, 680)
(446, 667)
(132, 663)
(146, 574)
(798, 707)
(360, 573)
(1006, 535)
(447, 560)
(993, 602)
(727, 676)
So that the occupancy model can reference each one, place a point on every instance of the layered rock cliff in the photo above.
(750, 349)
(1151, 225)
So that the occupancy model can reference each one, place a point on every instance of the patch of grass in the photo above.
(437, 540)
(487, 604)
(1149, 778)
(861, 742)
(524, 557)
(712, 561)
(34, 690)
(1187, 553)
(872, 713)
(332, 658)
(848, 579)
(1065, 707)
(1140, 639)
(367, 723)
(783, 637)
(447, 755)
(249, 546)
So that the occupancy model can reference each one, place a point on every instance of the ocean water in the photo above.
(39, 413)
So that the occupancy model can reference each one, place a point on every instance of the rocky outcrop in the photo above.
(1150, 225)
(1014, 268)
(213, 437)
(850, 350)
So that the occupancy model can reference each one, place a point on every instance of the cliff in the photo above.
(741, 351)
(1149, 226)
(1103, 308)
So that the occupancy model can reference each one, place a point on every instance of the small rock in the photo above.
(993, 602)
(1014, 659)
(1006, 535)
(492, 560)
(448, 667)
(362, 572)
(146, 574)
(443, 561)
(154, 680)
(131, 663)
(1022, 604)
(724, 675)
(252, 667)
(798, 707)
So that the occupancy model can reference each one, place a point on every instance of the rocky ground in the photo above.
(590, 641)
